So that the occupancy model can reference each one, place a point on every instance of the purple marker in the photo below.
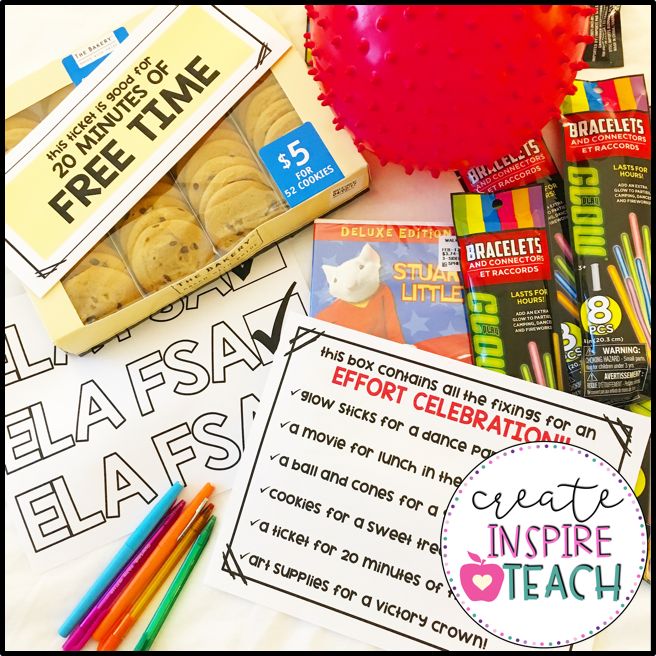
(81, 634)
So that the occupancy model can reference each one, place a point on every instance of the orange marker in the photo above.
(153, 563)
(114, 638)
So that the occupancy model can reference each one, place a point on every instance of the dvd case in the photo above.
(399, 281)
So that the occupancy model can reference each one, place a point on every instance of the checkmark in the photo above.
(283, 425)
(257, 521)
(271, 341)
(295, 392)
(242, 270)
(264, 489)
(274, 457)
(244, 555)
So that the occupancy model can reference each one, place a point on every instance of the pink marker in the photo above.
(84, 630)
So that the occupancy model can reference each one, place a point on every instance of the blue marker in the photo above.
(116, 564)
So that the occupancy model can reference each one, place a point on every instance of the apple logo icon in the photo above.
(481, 582)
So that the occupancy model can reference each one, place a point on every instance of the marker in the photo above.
(163, 610)
(153, 563)
(83, 631)
(114, 638)
(120, 559)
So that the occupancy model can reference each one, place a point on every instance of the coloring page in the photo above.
(92, 440)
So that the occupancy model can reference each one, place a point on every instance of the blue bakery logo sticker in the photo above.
(544, 545)
(81, 63)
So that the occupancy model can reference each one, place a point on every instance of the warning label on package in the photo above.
(610, 369)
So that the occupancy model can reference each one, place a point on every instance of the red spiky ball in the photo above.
(443, 87)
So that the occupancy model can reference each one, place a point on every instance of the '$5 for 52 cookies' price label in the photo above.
(300, 164)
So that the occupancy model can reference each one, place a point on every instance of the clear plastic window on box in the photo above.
(213, 198)
(18, 126)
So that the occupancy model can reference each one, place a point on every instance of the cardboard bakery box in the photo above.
(197, 143)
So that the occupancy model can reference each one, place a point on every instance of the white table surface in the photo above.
(204, 618)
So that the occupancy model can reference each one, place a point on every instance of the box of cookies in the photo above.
(197, 143)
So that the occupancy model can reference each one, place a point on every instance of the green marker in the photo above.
(163, 610)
